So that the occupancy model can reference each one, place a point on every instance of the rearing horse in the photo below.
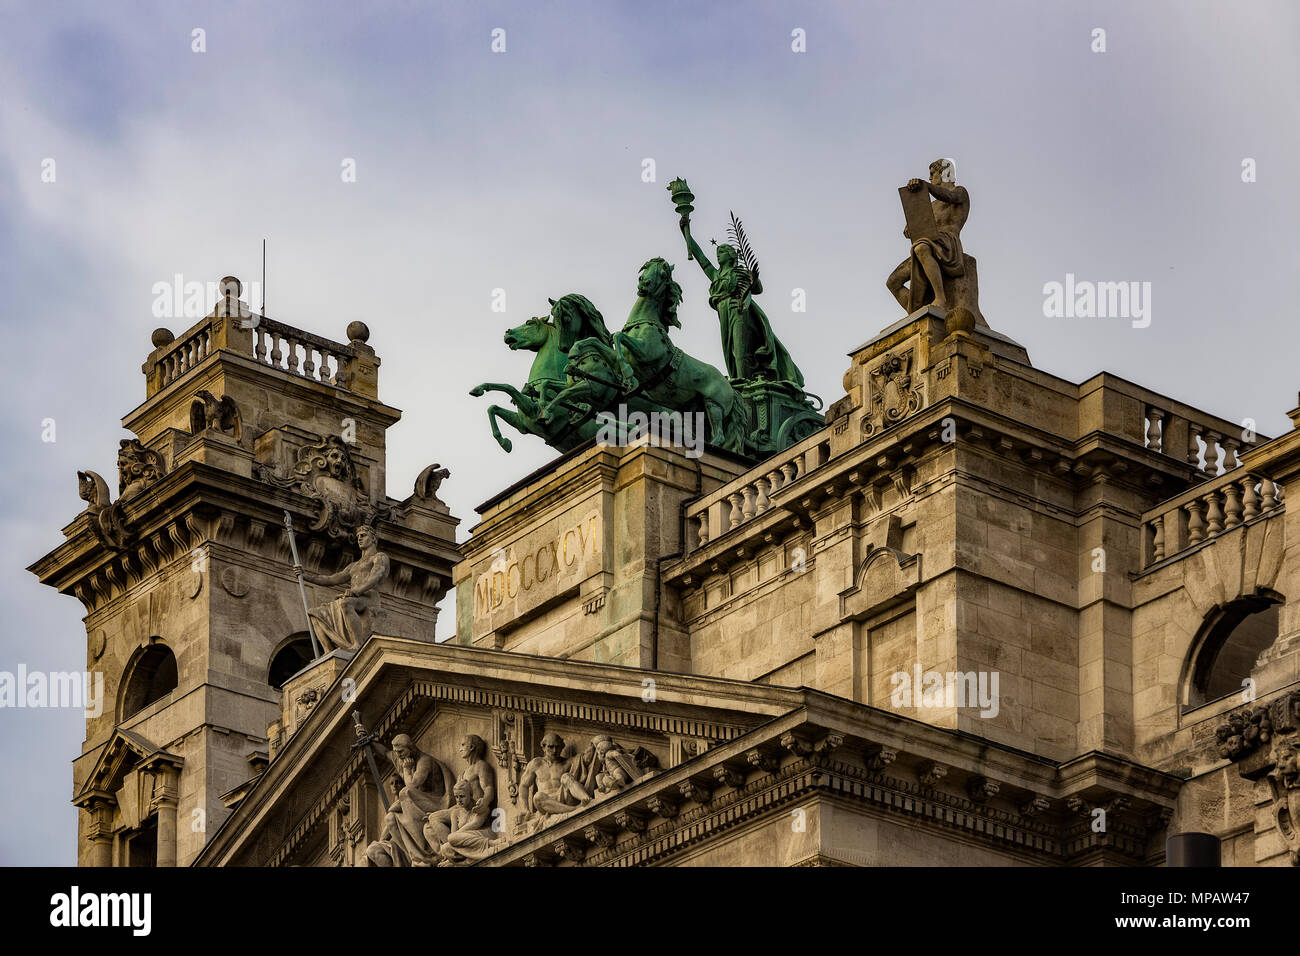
(648, 366)
(572, 317)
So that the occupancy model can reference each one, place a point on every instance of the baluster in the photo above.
(788, 473)
(1193, 447)
(703, 518)
(1213, 453)
(259, 344)
(1230, 458)
(1158, 539)
(1249, 498)
(1213, 515)
(276, 354)
(1268, 491)
(1195, 523)
(773, 482)
(1279, 494)
(295, 362)
(761, 501)
(737, 515)
(1231, 505)
(1155, 428)
(748, 508)
(326, 374)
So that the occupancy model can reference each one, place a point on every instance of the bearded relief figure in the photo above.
(551, 785)
(425, 789)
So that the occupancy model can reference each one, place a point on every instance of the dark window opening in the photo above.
(152, 677)
(289, 660)
(1234, 637)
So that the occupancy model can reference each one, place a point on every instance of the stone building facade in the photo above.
(984, 616)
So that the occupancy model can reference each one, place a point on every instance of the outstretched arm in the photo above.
(696, 252)
(325, 580)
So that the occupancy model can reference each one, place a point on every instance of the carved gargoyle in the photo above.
(326, 472)
(207, 412)
(427, 485)
(107, 517)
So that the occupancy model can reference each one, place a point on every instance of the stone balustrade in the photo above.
(1209, 509)
(301, 353)
(750, 495)
(1207, 443)
(268, 342)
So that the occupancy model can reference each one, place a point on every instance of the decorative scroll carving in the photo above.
(1264, 742)
(326, 472)
(138, 467)
(894, 394)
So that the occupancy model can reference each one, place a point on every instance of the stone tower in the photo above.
(194, 615)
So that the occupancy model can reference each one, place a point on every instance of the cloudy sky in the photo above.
(525, 170)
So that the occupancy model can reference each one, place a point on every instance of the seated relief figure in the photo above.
(348, 620)
(610, 768)
(426, 783)
(551, 789)
(480, 779)
(471, 836)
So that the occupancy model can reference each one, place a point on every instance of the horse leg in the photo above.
(493, 412)
(480, 390)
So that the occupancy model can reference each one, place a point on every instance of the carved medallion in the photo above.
(234, 581)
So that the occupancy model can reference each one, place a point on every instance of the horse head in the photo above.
(656, 284)
(532, 335)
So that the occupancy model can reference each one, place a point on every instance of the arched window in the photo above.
(291, 657)
(149, 677)
(1231, 640)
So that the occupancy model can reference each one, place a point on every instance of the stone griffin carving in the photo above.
(138, 468)
(894, 396)
(426, 788)
(325, 471)
(426, 487)
(207, 412)
(1264, 742)
(349, 619)
(106, 515)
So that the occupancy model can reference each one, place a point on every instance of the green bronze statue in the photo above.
(647, 371)
(582, 373)
(572, 317)
(749, 346)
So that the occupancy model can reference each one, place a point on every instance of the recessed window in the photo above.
(293, 656)
(151, 677)
(1232, 638)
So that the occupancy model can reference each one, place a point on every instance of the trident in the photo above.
(302, 588)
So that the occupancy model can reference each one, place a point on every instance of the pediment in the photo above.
(438, 694)
(886, 577)
(125, 751)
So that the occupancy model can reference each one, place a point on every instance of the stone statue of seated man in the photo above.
(347, 621)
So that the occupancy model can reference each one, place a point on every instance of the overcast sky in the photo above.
(523, 170)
